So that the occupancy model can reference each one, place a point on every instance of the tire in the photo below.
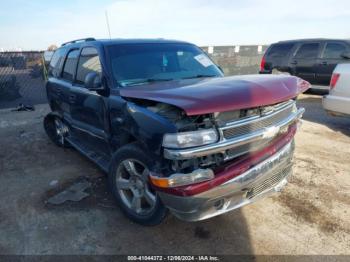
(129, 169)
(56, 130)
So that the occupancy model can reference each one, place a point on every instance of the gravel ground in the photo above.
(311, 216)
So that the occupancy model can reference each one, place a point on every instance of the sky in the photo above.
(36, 24)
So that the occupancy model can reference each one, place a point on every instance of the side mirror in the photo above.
(93, 82)
(222, 70)
(346, 55)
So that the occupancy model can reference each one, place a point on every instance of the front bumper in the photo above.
(336, 105)
(263, 179)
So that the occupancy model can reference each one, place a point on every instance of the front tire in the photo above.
(129, 182)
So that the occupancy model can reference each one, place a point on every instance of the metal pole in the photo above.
(107, 21)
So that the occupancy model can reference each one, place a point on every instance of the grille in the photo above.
(240, 150)
(270, 182)
(258, 123)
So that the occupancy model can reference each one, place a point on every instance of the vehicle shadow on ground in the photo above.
(314, 112)
(226, 234)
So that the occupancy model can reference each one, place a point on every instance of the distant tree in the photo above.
(52, 47)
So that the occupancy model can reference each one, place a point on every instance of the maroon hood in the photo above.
(209, 95)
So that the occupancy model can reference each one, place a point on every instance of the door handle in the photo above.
(72, 98)
(294, 62)
(324, 63)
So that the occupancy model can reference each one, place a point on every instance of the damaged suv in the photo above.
(169, 129)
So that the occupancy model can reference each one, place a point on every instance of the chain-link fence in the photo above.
(22, 77)
(237, 60)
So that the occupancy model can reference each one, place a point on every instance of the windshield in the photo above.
(134, 64)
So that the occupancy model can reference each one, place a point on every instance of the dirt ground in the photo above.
(311, 216)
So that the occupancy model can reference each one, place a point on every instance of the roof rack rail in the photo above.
(79, 40)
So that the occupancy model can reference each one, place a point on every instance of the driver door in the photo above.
(303, 64)
(87, 108)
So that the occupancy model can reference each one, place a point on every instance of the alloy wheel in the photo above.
(133, 187)
(61, 130)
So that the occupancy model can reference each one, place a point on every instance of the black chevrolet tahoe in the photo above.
(169, 129)
(310, 59)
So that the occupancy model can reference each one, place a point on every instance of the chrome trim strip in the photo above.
(221, 146)
(87, 132)
(254, 119)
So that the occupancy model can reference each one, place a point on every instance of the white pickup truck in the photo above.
(338, 100)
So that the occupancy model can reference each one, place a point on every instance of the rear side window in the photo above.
(334, 50)
(70, 65)
(308, 51)
(89, 61)
(55, 63)
(280, 50)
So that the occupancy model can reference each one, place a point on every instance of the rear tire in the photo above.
(129, 182)
(56, 130)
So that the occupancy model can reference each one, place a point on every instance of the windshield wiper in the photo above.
(199, 76)
(143, 81)
(158, 79)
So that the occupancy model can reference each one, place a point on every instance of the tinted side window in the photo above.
(88, 62)
(308, 51)
(334, 50)
(70, 65)
(55, 63)
(280, 50)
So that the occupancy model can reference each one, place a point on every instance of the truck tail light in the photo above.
(262, 64)
(334, 80)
